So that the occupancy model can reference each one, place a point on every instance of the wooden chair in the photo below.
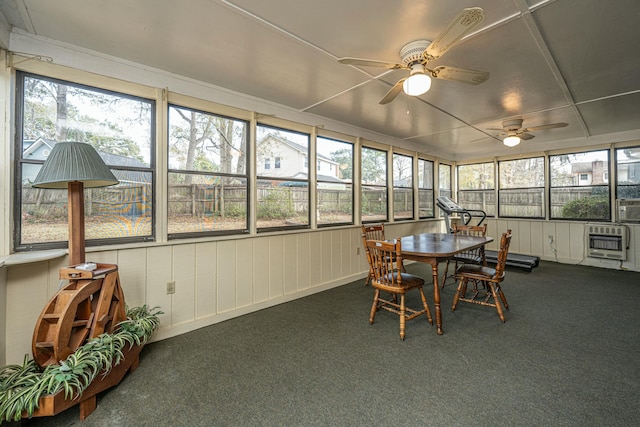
(372, 232)
(475, 256)
(486, 281)
(388, 276)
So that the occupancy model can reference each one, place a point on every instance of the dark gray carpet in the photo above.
(568, 355)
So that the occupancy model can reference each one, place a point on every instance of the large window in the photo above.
(579, 189)
(425, 188)
(282, 193)
(374, 185)
(628, 173)
(119, 126)
(521, 188)
(444, 180)
(334, 182)
(402, 187)
(207, 173)
(476, 184)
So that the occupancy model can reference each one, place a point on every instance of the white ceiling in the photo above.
(572, 61)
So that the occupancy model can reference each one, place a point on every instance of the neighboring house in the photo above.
(325, 182)
(596, 173)
(130, 197)
(629, 167)
(590, 173)
(279, 157)
(40, 148)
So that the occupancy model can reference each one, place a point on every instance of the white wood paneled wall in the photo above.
(214, 281)
(219, 280)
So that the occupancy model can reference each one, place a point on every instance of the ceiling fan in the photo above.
(514, 132)
(416, 55)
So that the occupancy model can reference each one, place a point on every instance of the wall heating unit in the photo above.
(607, 241)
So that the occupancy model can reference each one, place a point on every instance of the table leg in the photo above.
(436, 297)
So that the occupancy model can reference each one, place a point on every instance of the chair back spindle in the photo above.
(473, 256)
(373, 232)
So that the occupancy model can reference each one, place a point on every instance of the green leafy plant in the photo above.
(276, 205)
(594, 207)
(22, 386)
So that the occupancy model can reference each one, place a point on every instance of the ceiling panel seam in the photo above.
(531, 25)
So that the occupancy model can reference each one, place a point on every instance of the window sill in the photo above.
(28, 257)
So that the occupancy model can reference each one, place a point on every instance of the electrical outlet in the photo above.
(550, 239)
(171, 288)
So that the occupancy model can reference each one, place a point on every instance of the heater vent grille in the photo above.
(606, 241)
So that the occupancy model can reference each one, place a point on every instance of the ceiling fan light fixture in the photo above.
(418, 82)
(511, 141)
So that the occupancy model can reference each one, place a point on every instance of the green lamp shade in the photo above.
(74, 162)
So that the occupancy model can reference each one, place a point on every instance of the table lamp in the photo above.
(74, 166)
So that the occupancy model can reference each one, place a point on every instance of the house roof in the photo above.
(300, 148)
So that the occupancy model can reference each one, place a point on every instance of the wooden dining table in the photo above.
(432, 248)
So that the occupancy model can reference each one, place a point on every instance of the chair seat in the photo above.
(479, 272)
(409, 281)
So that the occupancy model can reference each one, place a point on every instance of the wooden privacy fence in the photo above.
(525, 202)
(204, 200)
(335, 200)
(124, 200)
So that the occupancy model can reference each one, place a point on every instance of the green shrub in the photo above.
(276, 205)
(587, 208)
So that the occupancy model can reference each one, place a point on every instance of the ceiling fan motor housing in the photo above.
(512, 125)
(412, 52)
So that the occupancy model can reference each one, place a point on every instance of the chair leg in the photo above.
(496, 300)
(369, 277)
(461, 284)
(502, 297)
(374, 306)
(403, 318)
(426, 306)
(444, 276)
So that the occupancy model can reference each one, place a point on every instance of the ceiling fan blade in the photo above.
(371, 63)
(460, 74)
(500, 129)
(544, 127)
(393, 92)
(525, 136)
(461, 26)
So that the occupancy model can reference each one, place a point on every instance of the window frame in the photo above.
(351, 183)
(384, 187)
(431, 200)
(605, 185)
(540, 188)
(246, 177)
(489, 193)
(394, 157)
(283, 179)
(630, 174)
(18, 162)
